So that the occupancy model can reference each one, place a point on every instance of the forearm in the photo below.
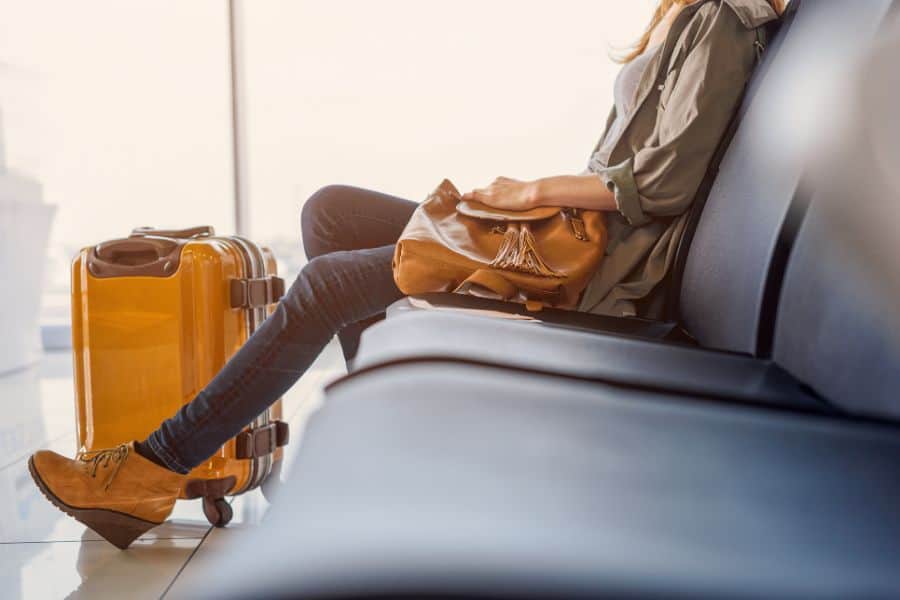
(573, 191)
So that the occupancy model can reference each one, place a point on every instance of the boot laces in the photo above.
(98, 459)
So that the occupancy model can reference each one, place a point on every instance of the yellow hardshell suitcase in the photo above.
(154, 317)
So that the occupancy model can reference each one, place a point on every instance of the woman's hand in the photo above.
(507, 194)
(574, 191)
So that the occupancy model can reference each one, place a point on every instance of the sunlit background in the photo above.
(122, 110)
(120, 113)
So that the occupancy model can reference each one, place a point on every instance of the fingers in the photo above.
(483, 194)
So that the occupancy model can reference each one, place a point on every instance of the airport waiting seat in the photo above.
(735, 263)
(474, 481)
(459, 479)
(438, 474)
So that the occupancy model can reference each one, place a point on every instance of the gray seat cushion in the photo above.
(449, 335)
(451, 478)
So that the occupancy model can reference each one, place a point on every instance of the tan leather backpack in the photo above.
(541, 257)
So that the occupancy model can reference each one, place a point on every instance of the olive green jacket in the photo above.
(685, 100)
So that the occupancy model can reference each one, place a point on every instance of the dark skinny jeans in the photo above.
(349, 236)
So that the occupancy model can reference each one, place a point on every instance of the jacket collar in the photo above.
(753, 13)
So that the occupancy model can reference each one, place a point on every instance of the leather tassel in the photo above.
(518, 252)
(506, 255)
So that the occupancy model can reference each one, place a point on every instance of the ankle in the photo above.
(143, 448)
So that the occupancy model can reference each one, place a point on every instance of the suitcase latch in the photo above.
(261, 441)
(254, 293)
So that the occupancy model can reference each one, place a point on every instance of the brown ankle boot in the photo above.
(116, 492)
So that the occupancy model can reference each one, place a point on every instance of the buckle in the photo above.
(282, 433)
(261, 441)
(254, 293)
(258, 292)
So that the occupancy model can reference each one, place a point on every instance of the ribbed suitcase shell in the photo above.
(145, 345)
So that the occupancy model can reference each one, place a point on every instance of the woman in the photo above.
(673, 99)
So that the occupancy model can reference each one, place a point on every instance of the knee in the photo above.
(314, 279)
(318, 206)
(315, 289)
(318, 219)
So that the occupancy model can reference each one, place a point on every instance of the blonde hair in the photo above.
(661, 9)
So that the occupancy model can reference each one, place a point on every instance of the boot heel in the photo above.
(117, 528)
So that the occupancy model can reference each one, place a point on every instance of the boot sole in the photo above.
(115, 527)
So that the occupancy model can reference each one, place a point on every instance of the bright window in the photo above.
(122, 110)
(395, 95)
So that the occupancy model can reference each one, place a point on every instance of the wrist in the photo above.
(536, 194)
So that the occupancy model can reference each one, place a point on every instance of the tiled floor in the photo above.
(45, 554)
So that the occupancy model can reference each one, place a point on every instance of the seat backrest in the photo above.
(834, 330)
(838, 325)
(774, 31)
(731, 256)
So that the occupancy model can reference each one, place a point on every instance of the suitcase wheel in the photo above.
(218, 512)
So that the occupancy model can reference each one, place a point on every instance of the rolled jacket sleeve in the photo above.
(619, 179)
(698, 99)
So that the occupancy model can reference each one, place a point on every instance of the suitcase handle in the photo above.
(189, 233)
(140, 256)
